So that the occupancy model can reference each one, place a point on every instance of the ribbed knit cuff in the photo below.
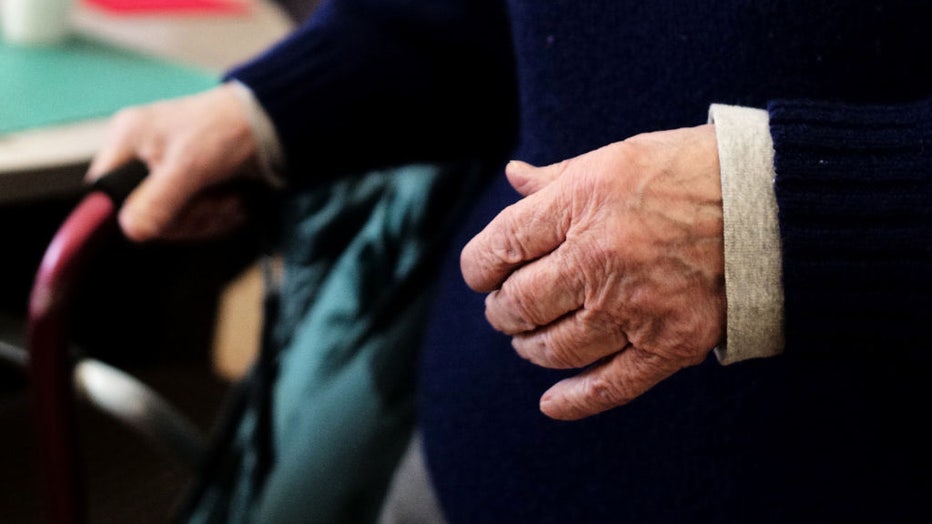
(854, 190)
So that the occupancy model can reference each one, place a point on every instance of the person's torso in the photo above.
(700, 446)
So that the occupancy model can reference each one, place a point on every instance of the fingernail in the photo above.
(517, 165)
(550, 407)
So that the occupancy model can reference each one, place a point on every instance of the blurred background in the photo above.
(183, 319)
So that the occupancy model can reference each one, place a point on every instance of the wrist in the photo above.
(268, 150)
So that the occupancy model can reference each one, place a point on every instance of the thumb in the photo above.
(528, 179)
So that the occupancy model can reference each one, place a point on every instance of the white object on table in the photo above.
(35, 22)
(49, 161)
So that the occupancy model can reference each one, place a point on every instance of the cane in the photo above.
(73, 246)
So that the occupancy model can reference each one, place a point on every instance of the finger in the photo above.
(107, 161)
(152, 208)
(527, 179)
(119, 146)
(208, 216)
(573, 341)
(615, 382)
(536, 294)
(524, 231)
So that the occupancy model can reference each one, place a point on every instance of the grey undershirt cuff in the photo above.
(269, 149)
(753, 287)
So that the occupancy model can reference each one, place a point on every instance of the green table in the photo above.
(83, 79)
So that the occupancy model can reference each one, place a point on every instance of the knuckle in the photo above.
(560, 353)
(515, 299)
(630, 152)
(597, 265)
(508, 246)
(561, 167)
(126, 118)
(540, 350)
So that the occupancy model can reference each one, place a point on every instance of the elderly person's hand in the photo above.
(613, 262)
(193, 146)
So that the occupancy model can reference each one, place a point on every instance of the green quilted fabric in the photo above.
(323, 425)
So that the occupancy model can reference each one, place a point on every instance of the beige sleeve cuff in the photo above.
(270, 155)
(753, 285)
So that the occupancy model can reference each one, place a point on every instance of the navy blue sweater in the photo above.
(833, 429)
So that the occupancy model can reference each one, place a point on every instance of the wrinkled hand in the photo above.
(192, 146)
(612, 262)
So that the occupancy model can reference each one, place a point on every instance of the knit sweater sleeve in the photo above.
(366, 83)
(854, 191)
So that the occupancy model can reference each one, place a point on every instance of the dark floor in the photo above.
(127, 479)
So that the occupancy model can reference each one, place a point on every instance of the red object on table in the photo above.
(171, 6)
